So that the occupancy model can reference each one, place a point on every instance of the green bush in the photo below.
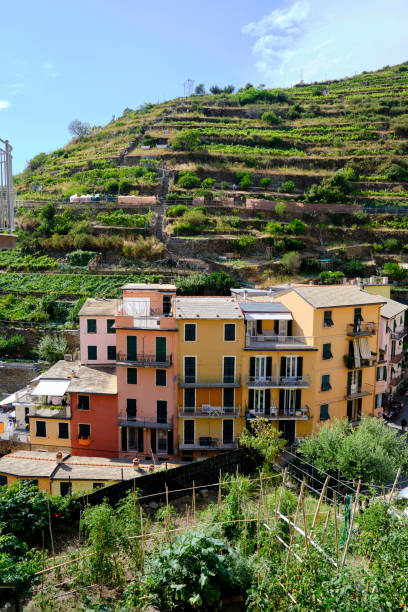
(244, 179)
(208, 183)
(52, 348)
(270, 118)
(291, 262)
(273, 228)
(12, 346)
(185, 140)
(244, 244)
(393, 270)
(296, 227)
(377, 248)
(80, 258)
(287, 187)
(188, 179)
(265, 182)
(224, 185)
(177, 211)
(391, 244)
(112, 186)
(216, 283)
(193, 221)
(280, 209)
(331, 278)
(395, 173)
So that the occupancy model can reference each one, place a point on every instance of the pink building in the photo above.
(97, 332)
(389, 367)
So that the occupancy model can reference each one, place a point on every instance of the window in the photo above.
(189, 400)
(112, 353)
(161, 378)
(327, 354)
(327, 318)
(161, 349)
(382, 373)
(354, 409)
(3, 480)
(161, 411)
(109, 326)
(229, 369)
(188, 432)
(358, 317)
(131, 348)
(324, 412)
(131, 409)
(83, 402)
(162, 440)
(378, 400)
(65, 488)
(84, 431)
(97, 485)
(91, 326)
(92, 353)
(227, 431)
(326, 386)
(40, 429)
(63, 432)
(190, 332)
(189, 369)
(132, 376)
(228, 399)
(229, 332)
(167, 304)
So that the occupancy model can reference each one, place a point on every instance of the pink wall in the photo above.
(101, 340)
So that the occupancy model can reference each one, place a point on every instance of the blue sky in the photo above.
(90, 59)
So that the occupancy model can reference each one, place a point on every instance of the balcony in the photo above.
(50, 411)
(208, 443)
(396, 380)
(276, 342)
(280, 382)
(208, 411)
(397, 335)
(396, 358)
(356, 391)
(358, 330)
(144, 360)
(281, 414)
(145, 422)
(351, 363)
(209, 381)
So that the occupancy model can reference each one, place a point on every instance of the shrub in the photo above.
(296, 227)
(391, 244)
(270, 118)
(244, 179)
(273, 228)
(80, 258)
(280, 209)
(395, 173)
(192, 222)
(112, 186)
(291, 262)
(11, 345)
(177, 211)
(265, 182)
(207, 183)
(244, 244)
(52, 348)
(185, 140)
(287, 187)
(377, 248)
(331, 278)
(143, 248)
(235, 221)
(331, 190)
(400, 125)
(216, 283)
(188, 179)
(224, 185)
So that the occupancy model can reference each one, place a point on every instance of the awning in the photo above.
(269, 316)
(51, 387)
(9, 399)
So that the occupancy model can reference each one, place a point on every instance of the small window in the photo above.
(111, 353)
(160, 378)
(324, 412)
(190, 332)
(161, 411)
(91, 326)
(378, 400)
(63, 431)
(40, 429)
(97, 485)
(109, 326)
(229, 370)
(65, 488)
(327, 354)
(132, 376)
(84, 431)
(83, 402)
(326, 386)
(131, 409)
(229, 332)
(92, 353)
(3, 480)
(327, 320)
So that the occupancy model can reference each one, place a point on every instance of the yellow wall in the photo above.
(43, 483)
(51, 438)
(78, 486)
(384, 290)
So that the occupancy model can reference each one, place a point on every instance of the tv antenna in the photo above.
(188, 87)
(6, 187)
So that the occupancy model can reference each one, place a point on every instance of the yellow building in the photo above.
(342, 324)
(211, 415)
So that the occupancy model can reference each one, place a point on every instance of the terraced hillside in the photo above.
(280, 179)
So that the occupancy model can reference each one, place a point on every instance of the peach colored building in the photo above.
(97, 332)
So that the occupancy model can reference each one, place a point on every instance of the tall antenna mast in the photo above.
(6, 187)
(188, 87)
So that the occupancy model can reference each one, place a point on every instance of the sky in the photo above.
(91, 59)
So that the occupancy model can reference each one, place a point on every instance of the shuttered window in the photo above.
(324, 412)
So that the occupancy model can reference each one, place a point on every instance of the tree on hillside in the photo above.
(228, 89)
(215, 89)
(79, 128)
(200, 89)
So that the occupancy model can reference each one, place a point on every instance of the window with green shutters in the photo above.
(132, 376)
(327, 354)
(229, 370)
(160, 378)
(92, 353)
(91, 326)
(161, 347)
(327, 318)
(326, 386)
(109, 326)
(190, 332)
(229, 332)
(131, 348)
(111, 353)
(324, 412)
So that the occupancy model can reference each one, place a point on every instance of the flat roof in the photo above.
(263, 307)
(82, 378)
(149, 287)
(332, 296)
(99, 307)
(208, 308)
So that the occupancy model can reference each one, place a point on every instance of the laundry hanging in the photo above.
(357, 361)
(365, 348)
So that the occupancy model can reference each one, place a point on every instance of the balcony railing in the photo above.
(281, 413)
(145, 359)
(351, 363)
(206, 410)
(148, 422)
(272, 340)
(210, 381)
(53, 412)
(208, 442)
(355, 391)
(396, 358)
(283, 382)
(361, 329)
(396, 380)
(397, 335)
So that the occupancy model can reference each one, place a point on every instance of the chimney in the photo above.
(135, 463)
(245, 294)
(372, 280)
(59, 456)
(358, 281)
(385, 280)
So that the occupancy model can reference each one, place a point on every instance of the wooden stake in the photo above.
(194, 501)
(141, 541)
(335, 525)
(50, 527)
(282, 489)
(292, 529)
(319, 503)
(343, 561)
(258, 540)
(395, 484)
(383, 491)
(325, 527)
(167, 513)
(219, 492)
(305, 522)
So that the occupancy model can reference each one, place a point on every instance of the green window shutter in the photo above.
(92, 353)
(349, 409)
(326, 382)
(131, 348)
(252, 366)
(359, 405)
(267, 399)
(251, 399)
(379, 372)
(298, 400)
(327, 354)
(384, 373)
(132, 376)
(290, 325)
(300, 366)
(91, 326)
(109, 326)
(283, 366)
(268, 367)
(281, 399)
(276, 327)
(161, 346)
(359, 379)
(160, 378)
(324, 412)
(111, 353)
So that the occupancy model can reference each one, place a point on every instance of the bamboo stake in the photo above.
(219, 492)
(258, 541)
(305, 522)
(295, 521)
(167, 513)
(395, 484)
(335, 525)
(284, 543)
(194, 502)
(50, 526)
(383, 492)
(319, 503)
(282, 488)
(343, 561)
(325, 527)
(142, 541)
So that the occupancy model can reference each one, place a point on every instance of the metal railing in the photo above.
(145, 359)
(210, 381)
(278, 381)
(142, 421)
(355, 391)
(274, 339)
(206, 410)
(208, 442)
(275, 412)
(397, 357)
(397, 335)
(351, 363)
(361, 329)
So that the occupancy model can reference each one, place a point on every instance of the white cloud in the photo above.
(15, 88)
(288, 20)
(4, 104)
(50, 70)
